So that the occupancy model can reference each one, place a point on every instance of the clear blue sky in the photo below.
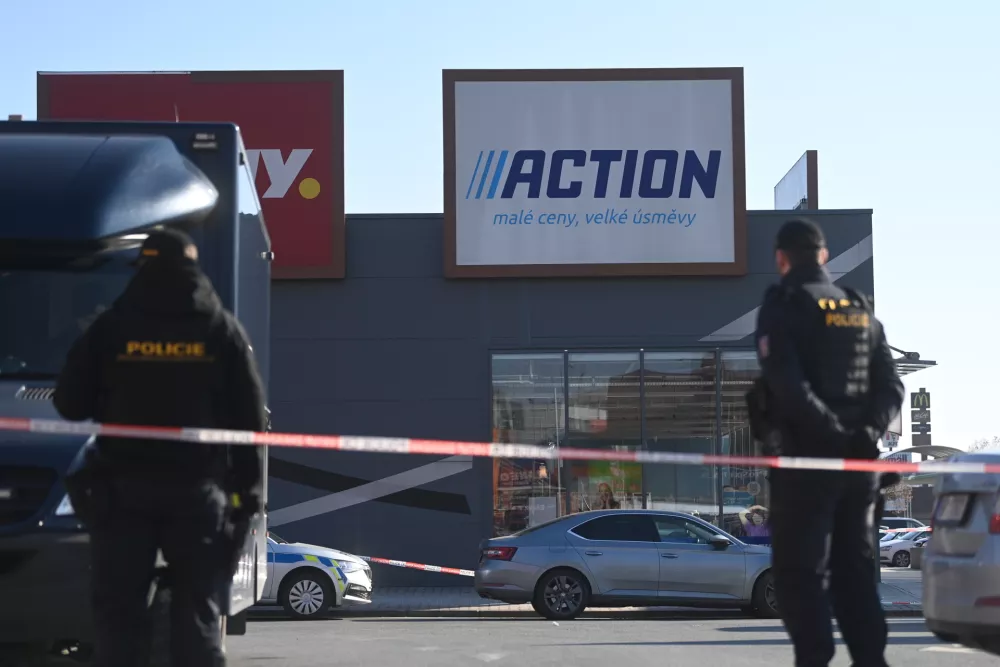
(900, 99)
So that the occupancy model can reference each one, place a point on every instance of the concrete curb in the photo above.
(893, 609)
(900, 600)
(464, 602)
(905, 609)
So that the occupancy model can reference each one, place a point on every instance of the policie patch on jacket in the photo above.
(169, 351)
(844, 313)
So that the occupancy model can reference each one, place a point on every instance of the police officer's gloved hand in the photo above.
(236, 529)
(243, 505)
(864, 443)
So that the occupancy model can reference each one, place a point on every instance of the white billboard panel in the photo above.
(798, 189)
(592, 175)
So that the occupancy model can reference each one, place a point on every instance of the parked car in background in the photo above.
(961, 565)
(917, 552)
(896, 551)
(900, 522)
(624, 558)
(308, 580)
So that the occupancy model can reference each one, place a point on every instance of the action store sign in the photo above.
(594, 172)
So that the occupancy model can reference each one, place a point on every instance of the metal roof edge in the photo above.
(116, 72)
(816, 212)
(760, 212)
(395, 216)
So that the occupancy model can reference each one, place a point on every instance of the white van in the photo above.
(897, 522)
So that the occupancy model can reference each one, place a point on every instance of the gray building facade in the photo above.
(395, 349)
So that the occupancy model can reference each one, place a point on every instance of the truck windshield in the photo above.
(46, 310)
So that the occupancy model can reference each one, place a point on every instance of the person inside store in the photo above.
(753, 521)
(606, 498)
(830, 388)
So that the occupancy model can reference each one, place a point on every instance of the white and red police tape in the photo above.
(377, 445)
(419, 566)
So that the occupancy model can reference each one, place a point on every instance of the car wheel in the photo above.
(764, 600)
(306, 594)
(561, 595)
(901, 559)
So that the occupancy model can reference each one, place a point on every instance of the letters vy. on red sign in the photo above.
(293, 126)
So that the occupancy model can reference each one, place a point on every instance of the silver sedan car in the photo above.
(961, 564)
(625, 558)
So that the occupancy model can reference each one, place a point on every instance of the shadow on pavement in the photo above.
(278, 617)
(895, 627)
(430, 617)
(416, 617)
(751, 642)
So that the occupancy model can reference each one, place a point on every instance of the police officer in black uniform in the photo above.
(165, 354)
(832, 390)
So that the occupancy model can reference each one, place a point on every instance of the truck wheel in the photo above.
(306, 594)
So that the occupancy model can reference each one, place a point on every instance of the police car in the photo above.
(308, 580)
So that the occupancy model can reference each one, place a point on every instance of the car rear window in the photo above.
(538, 526)
(620, 528)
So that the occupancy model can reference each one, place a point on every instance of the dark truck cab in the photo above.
(76, 201)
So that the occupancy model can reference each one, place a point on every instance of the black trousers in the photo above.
(132, 518)
(821, 525)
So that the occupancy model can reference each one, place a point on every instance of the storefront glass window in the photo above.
(680, 402)
(626, 400)
(745, 490)
(528, 408)
(604, 413)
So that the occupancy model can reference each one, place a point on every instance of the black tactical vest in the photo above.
(836, 347)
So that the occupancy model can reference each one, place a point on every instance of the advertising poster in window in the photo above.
(594, 172)
(526, 493)
(600, 485)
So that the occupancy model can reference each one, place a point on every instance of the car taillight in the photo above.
(992, 601)
(499, 553)
(995, 519)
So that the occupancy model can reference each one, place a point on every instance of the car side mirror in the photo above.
(719, 542)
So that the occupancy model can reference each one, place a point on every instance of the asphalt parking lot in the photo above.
(677, 639)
